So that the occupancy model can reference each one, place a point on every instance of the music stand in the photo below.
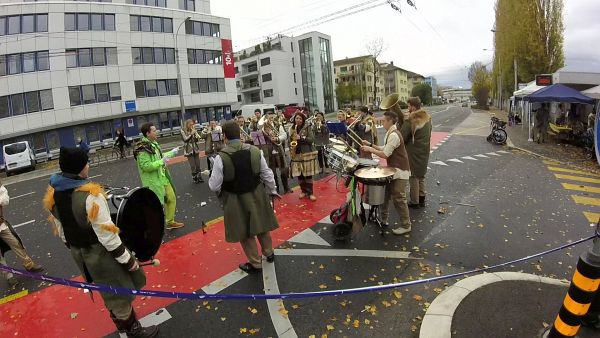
(258, 138)
(337, 128)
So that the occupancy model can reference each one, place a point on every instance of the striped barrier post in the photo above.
(583, 294)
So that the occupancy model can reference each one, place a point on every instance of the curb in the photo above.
(510, 145)
(437, 322)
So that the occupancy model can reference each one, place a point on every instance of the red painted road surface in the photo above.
(188, 263)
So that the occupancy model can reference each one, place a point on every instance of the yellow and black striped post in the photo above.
(584, 289)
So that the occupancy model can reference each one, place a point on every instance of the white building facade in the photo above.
(287, 71)
(74, 69)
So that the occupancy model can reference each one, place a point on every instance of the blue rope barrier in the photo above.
(309, 294)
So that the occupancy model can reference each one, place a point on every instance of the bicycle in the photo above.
(498, 133)
(118, 153)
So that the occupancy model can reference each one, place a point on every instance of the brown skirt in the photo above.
(305, 164)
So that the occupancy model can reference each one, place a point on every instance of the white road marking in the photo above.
(435, 148)
(469, 158)
(344, 253)
(493, 154)
(482, 156)
(439, 163)
(19, 196)
(224, 282)
(325, 220)
(25, 223)
(437, 126)
(309, 237)
(281, 322)
(455, 160)
(503, 151)
(155, 318)
(91, 177)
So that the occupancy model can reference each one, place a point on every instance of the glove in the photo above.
(135, 266)
(165, 160)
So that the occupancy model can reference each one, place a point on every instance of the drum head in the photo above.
(375, 176)
(142, 223)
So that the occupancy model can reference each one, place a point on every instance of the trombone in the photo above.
(352, 134)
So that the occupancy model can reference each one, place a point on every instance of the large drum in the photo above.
(141, 219)
(375, 181)
(340, 162)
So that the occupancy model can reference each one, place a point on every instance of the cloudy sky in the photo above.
(440, 37)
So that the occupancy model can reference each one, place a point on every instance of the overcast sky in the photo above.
(440, 38)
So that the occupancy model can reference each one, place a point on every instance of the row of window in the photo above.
(24, 63)
(203, 56)
(89, 22)
(211, 85)
(20, 24)
(30, 102)
(153, 3)
(140, 23)
(148, 55)
(87, 57)
(152, 88)
(202, 28)
(94, 93)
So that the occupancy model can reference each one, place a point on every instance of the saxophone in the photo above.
(293, 144)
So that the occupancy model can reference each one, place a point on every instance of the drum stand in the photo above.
(374, 218)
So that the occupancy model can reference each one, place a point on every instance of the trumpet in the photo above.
(246, 137)
(268, 128)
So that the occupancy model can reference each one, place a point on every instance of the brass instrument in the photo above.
(352, 134)
(392, 103)
(268, 128)
(245, 136)
(293, 143)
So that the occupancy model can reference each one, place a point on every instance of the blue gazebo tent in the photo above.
(558, 93)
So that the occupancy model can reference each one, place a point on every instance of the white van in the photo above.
(247, 111)
(18, 156)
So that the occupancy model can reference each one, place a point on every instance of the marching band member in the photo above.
(342, 117)
(274, 151)
(304, 162)
(244, 131)
(366, 129)
(80, 216)
(191, 150)
(321, 138)
(211, 147)
(152, 166)
(254, 120)
(394, 152)
(244, 182)
(10, 240)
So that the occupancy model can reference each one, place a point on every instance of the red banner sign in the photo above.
(228, 66)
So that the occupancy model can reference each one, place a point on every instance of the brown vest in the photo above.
(398, 158)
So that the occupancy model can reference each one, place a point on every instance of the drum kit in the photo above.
(140, 217)
(344, 161)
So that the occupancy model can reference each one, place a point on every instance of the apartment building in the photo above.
(396, 80)
(77, 69)
(413, 80)
(359, 71)
(287, 71)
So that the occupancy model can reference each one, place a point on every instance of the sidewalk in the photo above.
(571, 155)
(501, 304)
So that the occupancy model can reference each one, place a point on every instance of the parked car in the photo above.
(18, 156)
(289, 111)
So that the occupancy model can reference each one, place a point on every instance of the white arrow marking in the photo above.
(482, 156)
(455, 160)
(469, 158)
(309, 237)
(504, 151)
(492, 153)
(439, 163)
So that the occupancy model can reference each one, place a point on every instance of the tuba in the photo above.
(392, 103)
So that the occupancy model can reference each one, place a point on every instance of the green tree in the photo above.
(342, 94)
(481, 80)
(423, 91)
(530, 32)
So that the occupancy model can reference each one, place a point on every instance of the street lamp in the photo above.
(179, 84)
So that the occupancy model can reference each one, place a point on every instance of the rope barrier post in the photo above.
(582, 302)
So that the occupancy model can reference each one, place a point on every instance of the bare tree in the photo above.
(374, 48)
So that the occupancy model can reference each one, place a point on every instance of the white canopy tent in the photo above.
(593, 92)
(529, 89)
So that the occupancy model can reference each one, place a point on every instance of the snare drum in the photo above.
(338, 161)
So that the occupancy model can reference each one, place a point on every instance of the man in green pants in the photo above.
(152, 165)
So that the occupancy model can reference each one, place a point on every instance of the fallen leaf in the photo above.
(356, 323)
(398, 294)
(322, 286)
(253, 310)
(294, 306)
(338, 278)
(243, 330)
(367, 322)
(74, 315)
(386, 303)
(417, 298)
(330, 327)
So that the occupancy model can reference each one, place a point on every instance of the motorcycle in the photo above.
(498, 133)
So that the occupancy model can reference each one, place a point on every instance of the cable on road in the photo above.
(309, 294)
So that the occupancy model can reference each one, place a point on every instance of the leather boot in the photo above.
(286, 185)
(132, 327)
(277, 185)
(422, 201)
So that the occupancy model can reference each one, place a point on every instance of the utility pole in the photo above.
(179, 84)
(515, 65)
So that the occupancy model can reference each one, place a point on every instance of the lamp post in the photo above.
(179, 84)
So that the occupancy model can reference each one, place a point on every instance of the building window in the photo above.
(23, 63)
(153, 3)
(100, 92)
(148, 55)
(89, 21)
(265, 61)
(187, 5)
(296, 90)
(239, 100)
(343, 69)
(267, 77)
(268, 93)
(152, 88)
(87, 57)
(150, 24)
(210, 85)
(21, 24)
(202, 28)
(293, 63)
(203, 56)
(294, 77)
(30, 102)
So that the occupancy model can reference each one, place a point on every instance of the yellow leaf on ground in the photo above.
(386, 303)
(295, 306)
(330, 327)
(322, 286)
(356, 323)
(223, 319)
(321, 266)
(253, 331)
(367, 322)
(243, 330)
(417, 298)
(338, 278)
(398, 294)
(283, 312)
(253, 310)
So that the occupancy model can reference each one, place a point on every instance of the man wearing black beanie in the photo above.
(81, 217)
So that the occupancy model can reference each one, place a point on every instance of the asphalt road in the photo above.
(482, 209)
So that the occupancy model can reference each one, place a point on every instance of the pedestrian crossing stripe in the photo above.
(583, 188)
(573, 171)
(577, 178)
(592, 217)
(586, 200)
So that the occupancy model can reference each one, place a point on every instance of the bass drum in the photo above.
(141, 218)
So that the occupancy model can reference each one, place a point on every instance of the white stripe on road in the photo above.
(277, 311)
(91, 177)
(155, 318)
(19, 196)
(455, 160)
(224, 282)
(482, 156)
(503, 151)
(469, 158)
(439, 163)
(309, 237)
(344, 253)
(25, 223)
(493, 154)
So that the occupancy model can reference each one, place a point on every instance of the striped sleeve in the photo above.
(108, 234)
